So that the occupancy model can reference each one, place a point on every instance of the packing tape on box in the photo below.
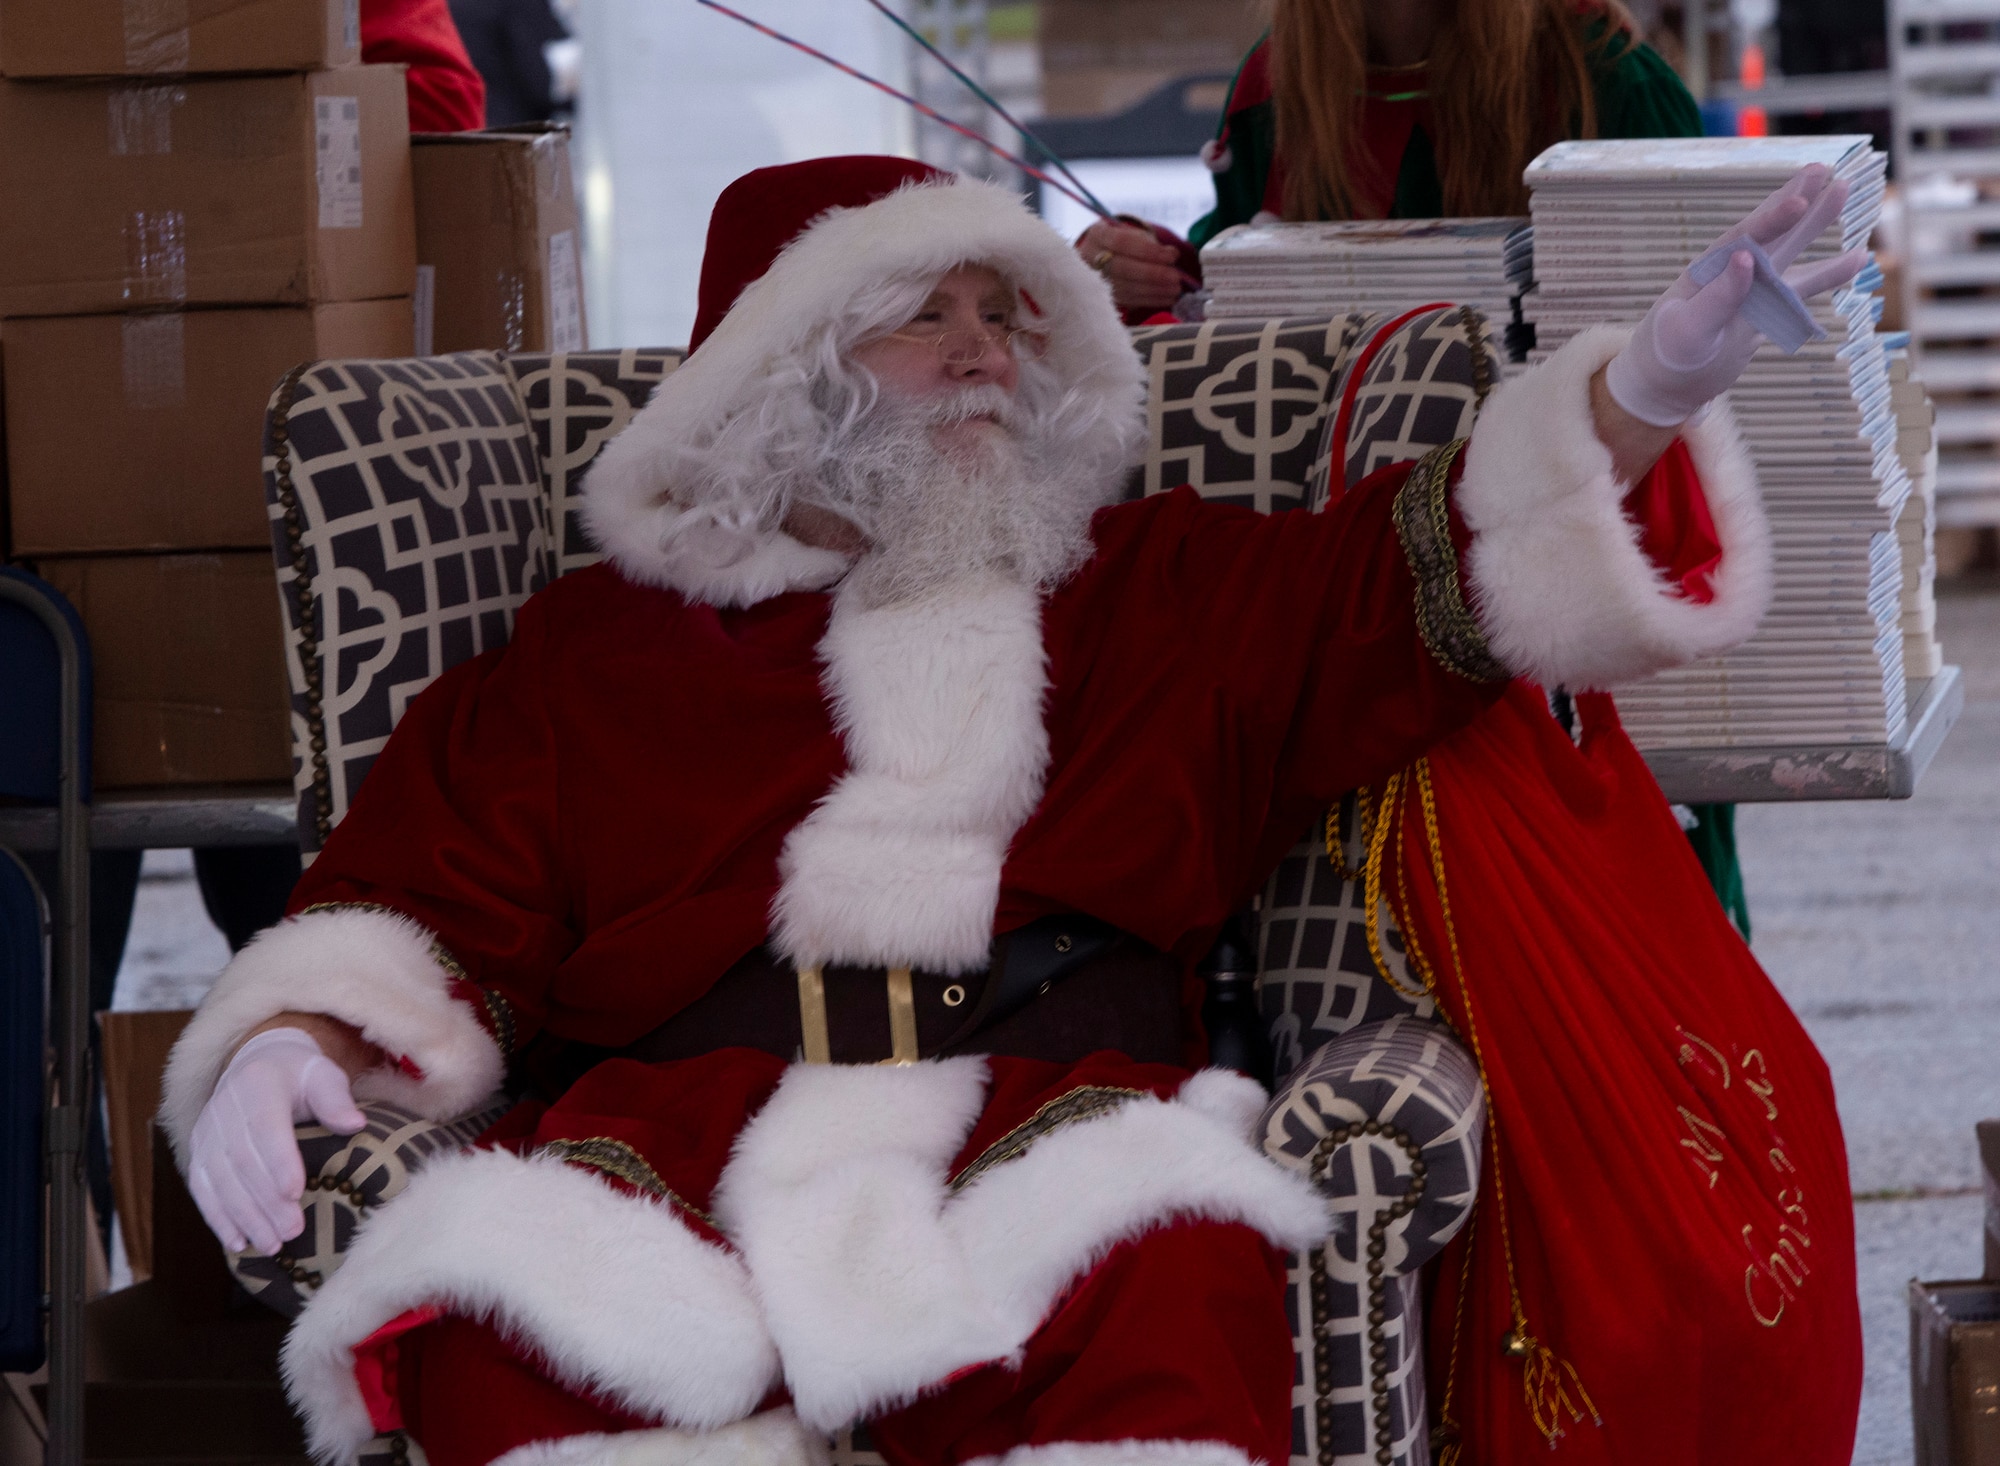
(513, 297)
(154, 364)
(139, 120)
(343, 25)
(156, 35)
(155, 257)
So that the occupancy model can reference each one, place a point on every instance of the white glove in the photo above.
(1695, 341)
(244, 1168)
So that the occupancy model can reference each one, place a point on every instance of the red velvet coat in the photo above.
(590, 819)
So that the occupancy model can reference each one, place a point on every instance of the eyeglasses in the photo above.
(965, 347)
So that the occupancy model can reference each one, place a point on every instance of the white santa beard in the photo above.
(992, 498)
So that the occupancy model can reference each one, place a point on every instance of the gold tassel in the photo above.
(1550, 1385)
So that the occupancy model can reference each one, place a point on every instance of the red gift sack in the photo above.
(1661, 1264)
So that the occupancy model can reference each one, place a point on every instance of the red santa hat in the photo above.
(765, 210)
(790, 250)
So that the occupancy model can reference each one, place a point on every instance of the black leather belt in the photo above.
(1059, 988)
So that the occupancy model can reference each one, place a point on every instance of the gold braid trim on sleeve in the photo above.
(1422, 514)
(1085, 1102)
(621, 1162)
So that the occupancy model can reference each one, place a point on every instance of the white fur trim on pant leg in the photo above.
(373, 969)
(615, 1293)
(877, 1282)
(1558, 580)
(1121, 1453)
(833, 1194)
(1029, 1227)
(774, 1438)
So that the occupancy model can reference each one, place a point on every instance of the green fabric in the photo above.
(1638, 95)
(1714, 841)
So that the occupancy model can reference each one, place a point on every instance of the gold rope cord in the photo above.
(1550, 1385)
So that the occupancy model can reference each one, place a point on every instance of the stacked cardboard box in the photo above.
(169, 247)
(498, 260)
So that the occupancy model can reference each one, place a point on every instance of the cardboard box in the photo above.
(188, 667)
(144, 432)
(135, 1048)
(280, 190)
(176, 37)
(1988, 1132)
(1955, 1372)
(497, 242)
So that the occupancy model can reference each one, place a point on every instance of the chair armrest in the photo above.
(1388, 1120)
(348, 1176)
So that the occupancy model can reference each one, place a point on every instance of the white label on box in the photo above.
(565, 293)
(423, 302)
(337, 125)
(156, 35)
(343, 19)
(155, 361)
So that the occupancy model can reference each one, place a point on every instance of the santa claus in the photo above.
(825, 867)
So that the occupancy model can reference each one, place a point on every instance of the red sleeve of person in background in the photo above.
(446, 93)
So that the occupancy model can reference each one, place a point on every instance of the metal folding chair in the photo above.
(45, 758)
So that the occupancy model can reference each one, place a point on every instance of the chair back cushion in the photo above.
(1237, 408)
(575, 404)
(409, 524)
(1408, 387)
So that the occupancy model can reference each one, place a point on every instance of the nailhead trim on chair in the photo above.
(312, 665)
(1322, 1307)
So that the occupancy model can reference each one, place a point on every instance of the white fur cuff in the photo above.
(1120, 1453)
(616, 1293)
(774, 1438)
(1559, 582)
(373, 969)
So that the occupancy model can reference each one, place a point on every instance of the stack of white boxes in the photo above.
(1270, 270)
(1615, 223)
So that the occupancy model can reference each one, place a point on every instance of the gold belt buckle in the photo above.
(818, 1045)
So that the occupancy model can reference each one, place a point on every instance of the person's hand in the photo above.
(1694, 343)
(1139, 267)
(244, 1168)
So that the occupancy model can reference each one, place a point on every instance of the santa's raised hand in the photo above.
(1695, 341)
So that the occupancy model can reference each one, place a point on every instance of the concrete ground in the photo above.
(1880, 922)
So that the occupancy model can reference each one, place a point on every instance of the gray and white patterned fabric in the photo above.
(1317, 976)
(348, 1176)
(409, 523)
(1235, 408)
(576, 403)
(1388, 1121)
(1420, 389)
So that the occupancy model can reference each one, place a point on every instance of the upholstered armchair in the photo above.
(416, 504)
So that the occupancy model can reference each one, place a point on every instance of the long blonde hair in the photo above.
(1507, 77)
